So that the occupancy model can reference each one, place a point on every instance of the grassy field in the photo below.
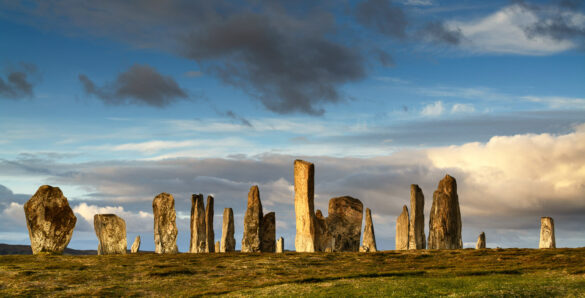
(490, 272)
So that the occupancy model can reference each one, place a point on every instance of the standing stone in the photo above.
(111, 232)
(306, 236)
(445, 218)
(50, 220)
(280, 245)
(369, 243)
(480, 241)
(416, 233)
(210, 235)
(402, 228)
(547, 233)
(268, 233)
(252, 241)
(228, 242)
(324, 239)
(165, 227)
(136, 245)
(198, 228)
(344, 223)
(217, 246)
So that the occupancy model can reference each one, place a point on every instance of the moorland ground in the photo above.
(489, 272)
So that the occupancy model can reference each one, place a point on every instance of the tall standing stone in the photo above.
(210, 235)
(50, 220)
(252, 241)
(445, 217)
(480, 241)
(547, 233)
(369, 242)
(416, 233)
(306, 236)
(280, 245)
(268, 232)
(402, 228)
(344, 223)
(136, 245)
(111, 233)
(165, 226)
(228, 242)
(198, 228)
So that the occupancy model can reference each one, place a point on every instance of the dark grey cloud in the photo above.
(18, 83)
(437, 31)
(140, 84)
(383, 16)
(556, 21)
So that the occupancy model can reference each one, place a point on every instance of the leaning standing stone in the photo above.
(402, 227)
(50, 220)
(369, 243)
(198, 228)
(252, 241)
(306, 236)
(111, 232)
(416, 233)
(280, 245)
(210, 235)
(268, 232)
(136, 245)
(165, 227)
(228, 242)
(445, 218)
(547, 233)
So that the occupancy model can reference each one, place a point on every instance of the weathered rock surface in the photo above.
(402, 228)
(445, 217)
(344, 223)
(252, 239)
(480, 241)
(280, 245)
(136, 245)
(217, 246)
(198, 227)
(306, 235)
(547, 233)
(165, 226)
(50, 220)
(228, 242)
(111, 233)
(369, 243)
(268, 237)
(209, 233)
(324, 239)
(416, 233)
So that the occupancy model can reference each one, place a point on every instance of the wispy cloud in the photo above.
(433, 109)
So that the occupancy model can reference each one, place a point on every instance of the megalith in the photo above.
(198, 227)
(252, 241)
(402, 228)
(480, 241)
(228, 242)
(280, 245)
(217, 246)
(306, 236)
(50, 220)
(111, 233)
(268, 237)
(344, 223)
(416, 233)
(136, 245)
(369, 242)
(324, 240)
(547, 233)
(165, 226)
(209, 234)
(445, 217)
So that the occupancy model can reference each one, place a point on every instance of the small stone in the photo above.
(445, 217)
(252, 241)
(416, 233)
(228, 242)
(306, 234)
(480, 241)
(364, 249)
(111, 232)
(50, 220)
(268, 232)
(165, 226)
(198, 227)
(217, 246)
(547, 233)
(402, 228)
(136, 245)
(210, 235)
(280, 245)
(369, 242)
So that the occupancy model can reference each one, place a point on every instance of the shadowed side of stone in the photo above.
(228, 242)
(402, 228)
(547, 233)
(416, 233)
(445, 217)
(165, 227)
(209, 233)
(111, 233)
(344, 223)
(198, 227)
(325, 241)
(268, 232)
(50, 220)
(306, 234)
(480, 241)
(252, 238)
(369, 243)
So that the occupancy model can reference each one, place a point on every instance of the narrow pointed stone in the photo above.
(209, 233)
(111, 233)
(306, 236)
(344, 223)
(136, 245)
(369, 243)
(50, 220)
(198, 228)
(252, 239)
(445, 217)
(416, 233)
(165, 226)
(268, 232)
(547, 233)
(280, 245)
(402, 228)
(228, 242)
(480, 241)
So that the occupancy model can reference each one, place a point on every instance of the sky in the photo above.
(117, 101)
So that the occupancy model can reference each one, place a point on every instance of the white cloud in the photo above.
(558, 102)
(462, 108)
(434, 109)
(135, 221)
(15, 212)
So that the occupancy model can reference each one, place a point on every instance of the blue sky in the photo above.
(117, 102)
